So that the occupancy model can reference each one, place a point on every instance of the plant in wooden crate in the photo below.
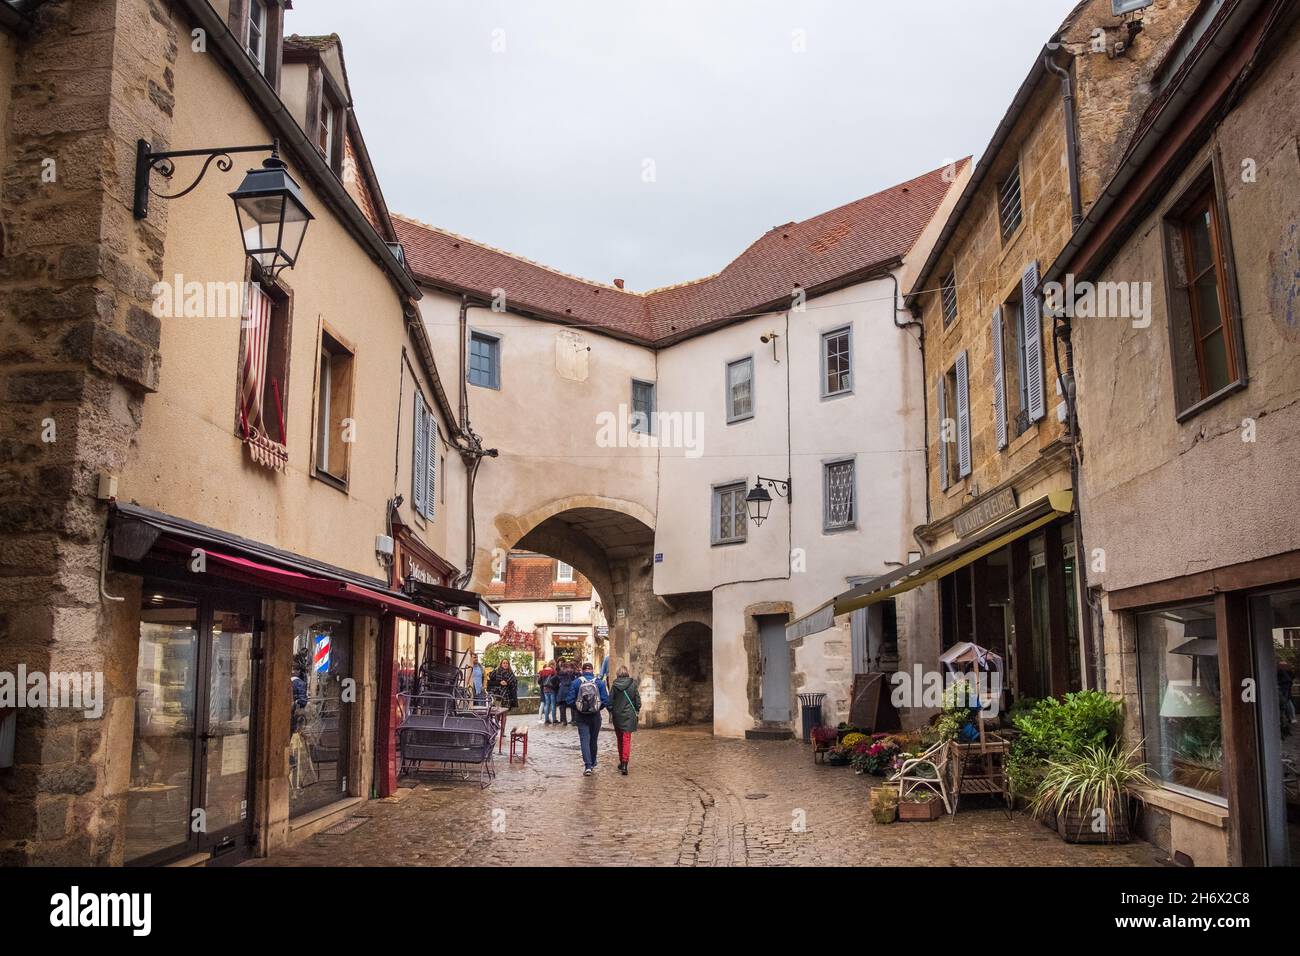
(1090, 794)
(920, 805)
(884, 804)
(1053, 729)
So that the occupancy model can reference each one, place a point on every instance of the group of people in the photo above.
(570, 691)
(581, 693)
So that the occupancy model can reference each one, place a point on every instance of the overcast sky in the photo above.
(534, 125)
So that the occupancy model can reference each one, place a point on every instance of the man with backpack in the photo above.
(588, 696)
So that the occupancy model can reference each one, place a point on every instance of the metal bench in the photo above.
(442, 730)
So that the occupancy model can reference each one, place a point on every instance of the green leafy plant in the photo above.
(1053, 729)
(1100, 779)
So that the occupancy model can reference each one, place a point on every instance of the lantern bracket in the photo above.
(785, 491)
(163, 162)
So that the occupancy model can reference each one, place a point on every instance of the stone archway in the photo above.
(680, 677)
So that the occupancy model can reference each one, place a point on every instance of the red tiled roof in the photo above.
(815, 254)
(531, 577)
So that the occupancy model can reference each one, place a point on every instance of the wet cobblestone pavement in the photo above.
(690, 800)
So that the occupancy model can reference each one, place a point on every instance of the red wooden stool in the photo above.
(520, 737)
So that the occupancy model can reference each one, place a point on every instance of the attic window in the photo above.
(1010, 210)
(329, 124)
(257, 34)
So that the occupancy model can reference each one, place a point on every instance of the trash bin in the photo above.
(812, 713)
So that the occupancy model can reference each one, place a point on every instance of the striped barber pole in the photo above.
(321, 657)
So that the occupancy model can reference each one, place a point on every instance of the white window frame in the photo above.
(257, 51)
(563, 572)
(823, 372)
(738, 486)
(852, 522)
(732, 416)
(564, 613)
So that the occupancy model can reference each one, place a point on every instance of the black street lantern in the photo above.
(759, 501)
(272, 216)
(268, 203)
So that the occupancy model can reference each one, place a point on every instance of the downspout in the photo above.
(916, 323)
(472, 452)
(1071, 139)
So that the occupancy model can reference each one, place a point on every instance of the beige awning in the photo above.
(1026, 520)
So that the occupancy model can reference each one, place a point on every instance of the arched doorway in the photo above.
(683, 674)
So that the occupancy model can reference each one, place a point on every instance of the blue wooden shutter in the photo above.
(999, 381)
(943, 442)
(431, 466)
(419, 467)
(963, 417)
(1033, 319)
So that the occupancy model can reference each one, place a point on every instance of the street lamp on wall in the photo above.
(759, 501)
(269, 207)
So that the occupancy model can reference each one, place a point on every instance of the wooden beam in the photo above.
(1275, 569)
(1241, 765)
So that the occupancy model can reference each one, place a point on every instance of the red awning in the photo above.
(309, 585)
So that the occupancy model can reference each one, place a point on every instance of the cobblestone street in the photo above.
(690, 800)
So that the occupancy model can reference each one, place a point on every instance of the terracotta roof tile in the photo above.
(817, 253)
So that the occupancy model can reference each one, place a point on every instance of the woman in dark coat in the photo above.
(625, 709)
(504, 684)
(566, 677)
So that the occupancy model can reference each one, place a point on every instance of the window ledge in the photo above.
(729, 544)
(841, 529)
(338, 484)
(831, 396)
(1203, 811)
(1025, 438)
(956, 488)
(741, 420)
(1210, 400)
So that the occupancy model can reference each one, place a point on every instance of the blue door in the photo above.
(776, 667)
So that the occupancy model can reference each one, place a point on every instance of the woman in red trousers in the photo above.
(624, 706)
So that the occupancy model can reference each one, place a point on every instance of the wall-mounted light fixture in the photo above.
(759, 501)
(268, 204)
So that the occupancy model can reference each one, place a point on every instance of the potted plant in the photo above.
(838, 756)
(884, 804)
(1089, 794)
(920, 805)
(823, 738)
(875, 755)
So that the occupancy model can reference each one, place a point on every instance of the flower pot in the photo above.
(1076, 826)
(913, 810)
(884, 804)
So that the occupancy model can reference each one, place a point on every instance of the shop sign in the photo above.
(984, 512)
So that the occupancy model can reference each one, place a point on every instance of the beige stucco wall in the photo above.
(1164, 498)
(188, 460)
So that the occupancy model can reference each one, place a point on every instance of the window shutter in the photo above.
(943, 444)
(419, 468)
(431, 465)
(963, 417)
(999, 381)
(1033, 343)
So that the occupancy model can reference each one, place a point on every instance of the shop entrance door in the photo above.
(193, 743)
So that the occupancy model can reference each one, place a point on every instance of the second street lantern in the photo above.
(272, 216)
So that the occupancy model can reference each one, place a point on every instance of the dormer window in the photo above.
(257, 34)
(325, 128)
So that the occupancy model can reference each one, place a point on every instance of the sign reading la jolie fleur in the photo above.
(984, 512)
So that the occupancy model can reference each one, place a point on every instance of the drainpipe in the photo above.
(1071, 138)
(472, 452)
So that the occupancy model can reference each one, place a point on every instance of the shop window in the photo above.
(643, 407)
(1178, 673)
(334, 422)
(837, 362)
(484, 360)
(1275, 632)
(264, 370)
(729, 515)
(1204, 324)
(948, 297)
(319, 731)
(839, 499)
(740, 390)
(1010, 210)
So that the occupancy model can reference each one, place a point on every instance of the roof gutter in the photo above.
(295, 142)
(1226, 35)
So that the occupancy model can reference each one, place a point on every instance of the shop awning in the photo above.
(453, 597)
(932, 567)
(137, 530)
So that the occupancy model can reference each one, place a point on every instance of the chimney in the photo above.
(618, 283)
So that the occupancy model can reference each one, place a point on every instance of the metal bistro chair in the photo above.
(436, 731)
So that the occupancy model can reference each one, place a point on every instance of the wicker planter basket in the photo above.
(1075, 826)
(884, 804)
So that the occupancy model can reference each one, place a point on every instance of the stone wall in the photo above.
(77, 356)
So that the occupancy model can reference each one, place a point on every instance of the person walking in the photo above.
(505, 684)
(624, 711)
(564, 680)
(476, 678)
(544, 678)
(587, 697)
